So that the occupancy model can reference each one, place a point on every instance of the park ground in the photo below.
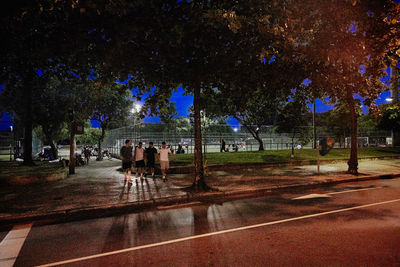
(271, 214)
(350, 224)
(99, 188)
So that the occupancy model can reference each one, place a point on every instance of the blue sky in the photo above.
(183, 102)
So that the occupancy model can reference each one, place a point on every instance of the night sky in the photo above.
(183, 102)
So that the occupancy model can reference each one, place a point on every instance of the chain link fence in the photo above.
(11, 145)
(236, 138)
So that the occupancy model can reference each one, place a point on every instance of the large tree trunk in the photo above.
(314, 128)
(395, 138)
(54, 152)
(292, 155)
(353, 161)
(395, 96)
(28, 126)
(260, 141)
(100, 154)
(199, 182)
(254, 133)
(72, 149)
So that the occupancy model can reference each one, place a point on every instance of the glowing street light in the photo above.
(235, 129)
(389, 99)
(136, 108)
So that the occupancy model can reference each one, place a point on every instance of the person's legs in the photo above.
(163, 174)
(150, 167)
(164, 169)
(129, 175)
(141, 172)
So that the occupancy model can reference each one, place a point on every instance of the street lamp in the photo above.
(136, 108)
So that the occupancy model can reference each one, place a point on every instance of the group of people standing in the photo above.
(144, 157)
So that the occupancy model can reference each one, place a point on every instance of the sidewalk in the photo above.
(99, 190)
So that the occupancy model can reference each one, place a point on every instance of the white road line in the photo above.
(12, 244)
(327, 195)
(354, 190)
(216, 233)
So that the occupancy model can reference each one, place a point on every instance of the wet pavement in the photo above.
(353, 224)
(101, 185)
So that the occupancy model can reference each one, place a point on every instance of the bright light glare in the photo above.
(389, 99)
(136, 108)
(235, 129)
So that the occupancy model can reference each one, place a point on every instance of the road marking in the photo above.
(12, 244)
(182, 205)
(354, 190)
(216, 233)
(310, 196)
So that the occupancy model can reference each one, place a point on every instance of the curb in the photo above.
(117, 209)
(236, 166)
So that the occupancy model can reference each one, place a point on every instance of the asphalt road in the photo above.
(354, 224)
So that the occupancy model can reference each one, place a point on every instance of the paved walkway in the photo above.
(101, 186)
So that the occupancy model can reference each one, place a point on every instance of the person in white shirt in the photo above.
(164, 160)
(139, 160)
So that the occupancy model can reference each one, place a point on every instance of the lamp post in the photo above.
(394, 98)
(314, 128)
(137, 107)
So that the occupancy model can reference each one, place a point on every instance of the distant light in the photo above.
(235, 129)
(389, 99)
(136, 108)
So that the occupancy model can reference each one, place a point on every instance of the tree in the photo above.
(388, 117)
(167, 115)
(292, 117)
(111, 106)
(80, 105)
(255, 107)
(91, 135)
(50, 106)
(33, 39)
(338, 122)
(199, 45)
(182, 125)
(344, 45)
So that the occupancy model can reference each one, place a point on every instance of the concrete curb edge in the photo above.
(118, 209)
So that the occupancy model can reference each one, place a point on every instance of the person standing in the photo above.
(87, 153)
(164, 160)
(125, 155)
(223, 146)
(150, 153)
(138, 156)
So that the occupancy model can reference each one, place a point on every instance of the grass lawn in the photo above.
(5, 157)
(13, 168)
(283, 156)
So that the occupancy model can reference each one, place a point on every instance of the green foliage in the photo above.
(91, 136)
(168, 113)
(183, 125)
(389, 117)
(368, 122)
(291, 118)
(337, 121)
(111, 104)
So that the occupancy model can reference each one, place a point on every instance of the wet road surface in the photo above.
(354, 224)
